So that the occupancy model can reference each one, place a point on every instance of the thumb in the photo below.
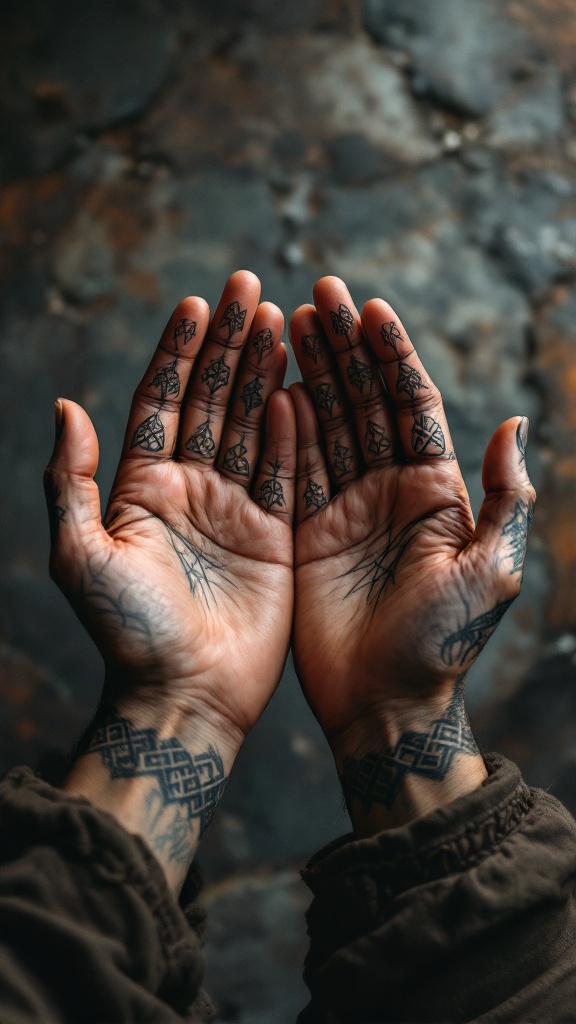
(71, 492)
(508, 507)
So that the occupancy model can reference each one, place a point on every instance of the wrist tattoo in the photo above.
(376, 777)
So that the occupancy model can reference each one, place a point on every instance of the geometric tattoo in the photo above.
(516, 531)
(359, 373)
(261, 342)
(149, 435)
(427, 436)
(251, 394)
(311, 346)
(391, 335)
(185, 329)
(326, 397)
(521, 441)
(196, 565)
(342, 321)
(167, 380)
(473, 635)
(271, 492)
(234, 458)
(377, 572)
(409, 380)
(376, 777)
(216, 375)
(376, 440)
(201, 441)
(233, 318)
(343, 458)
(193, 782)
(314, 495)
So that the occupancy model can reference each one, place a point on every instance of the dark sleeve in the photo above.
(88, 928)
(467, 914)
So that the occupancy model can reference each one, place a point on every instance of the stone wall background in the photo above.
(423, 151)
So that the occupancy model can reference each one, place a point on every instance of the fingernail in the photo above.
(58, 419)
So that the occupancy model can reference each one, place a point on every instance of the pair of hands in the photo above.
(243, 515)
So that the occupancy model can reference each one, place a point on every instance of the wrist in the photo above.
(407, 759)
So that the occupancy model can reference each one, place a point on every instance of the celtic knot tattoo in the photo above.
(192, 782)
(185, 329)
(391, 335)
(427, 436)
(233, 319)
(202, 573)
(342, 321)
(149, 435)
(311, 347)
(516, 533)
(314, 495)
(377, 572)
(359, 374)
(201, 442)
(376, 440)
(166, 379)
(469, 640)
(216, 375)
(409, 380)
(326, 397)
(271, 491)
(252, 394)
(261, 342)
(235, 460)
(376, 778)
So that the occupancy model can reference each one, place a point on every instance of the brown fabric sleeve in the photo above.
(466, 914)
(89, 931)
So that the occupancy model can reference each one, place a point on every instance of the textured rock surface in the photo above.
(424, 151)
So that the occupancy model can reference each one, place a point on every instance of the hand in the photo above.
(397, 590)
(187, 589)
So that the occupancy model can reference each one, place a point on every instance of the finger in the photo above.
(507, 510)
(321, 376)
(312, 477)
(241, 440)
(154, 418)
(358, 369)
(416, 401)
(275, 483)
(212, 382)
(71, 492)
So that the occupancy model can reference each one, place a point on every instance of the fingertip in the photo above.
(306, 309)
(245, 279)
(327, 283)
(504, 465)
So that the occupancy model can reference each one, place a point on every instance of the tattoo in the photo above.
(116, 609)
(376, 440)
(149, 435)
(311, 347)
(342, 321)
(202, 573)
(343, 458)
(516, 533)
(174, 844)
(409, 380)
(233, 319)
(376, 573)
(359, 374)
(261, 342)
(427, 436)
(201, 442)
(235, 460)
(326, 397)
(167, 380)
(314, 495)
(56, 512)
(376, 778)
(472, 636)
(271, 491)
(391, 335)
(521, 441)
(185, 329)
(216, 375)
(251, 394)
(193, 783)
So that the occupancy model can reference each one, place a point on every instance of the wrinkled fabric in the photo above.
(466, 914)
(89, 931)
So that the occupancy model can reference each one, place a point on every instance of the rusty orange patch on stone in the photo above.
(552, 23)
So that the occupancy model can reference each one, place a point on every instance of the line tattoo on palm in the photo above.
(468, 640)
(204, 574)
(375, 573)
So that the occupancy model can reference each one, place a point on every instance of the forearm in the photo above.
(159, 773)
(407, 759)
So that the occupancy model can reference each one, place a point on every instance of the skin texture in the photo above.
(397, 589)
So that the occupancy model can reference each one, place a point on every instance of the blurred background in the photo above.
(424, 151)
